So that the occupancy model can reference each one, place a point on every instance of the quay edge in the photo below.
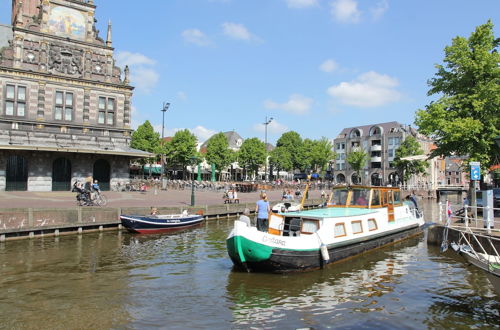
(22, 223)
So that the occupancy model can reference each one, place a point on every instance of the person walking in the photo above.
(262, 209)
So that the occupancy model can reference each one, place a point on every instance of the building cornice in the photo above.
(65, 39)
(37, 76)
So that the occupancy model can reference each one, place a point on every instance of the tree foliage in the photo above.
(319, 153)
(407, 168)
(294, 146)
(466, 117)
(181, 149)
(252, 154)
(281, 159)
(357, 160)
(145, 138)
(218, 152)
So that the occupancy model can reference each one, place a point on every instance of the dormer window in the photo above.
(355, 133)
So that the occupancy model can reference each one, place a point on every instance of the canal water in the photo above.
(185, 280)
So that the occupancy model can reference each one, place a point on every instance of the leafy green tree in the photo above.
(407, 168)
(319, 153)
(293, 144)
(252, 154)
(280, 159)
(145, 138)
(218, 152)
(181, 149)
(357, 160)
(466, 117)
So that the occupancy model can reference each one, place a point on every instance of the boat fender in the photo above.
(324, 252)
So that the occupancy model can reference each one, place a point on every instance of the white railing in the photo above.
(473, 217)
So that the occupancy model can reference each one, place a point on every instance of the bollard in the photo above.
(32, 234)
(56, 232)
(101, 228)
(440, 212)
(2, 238)
(80, 230)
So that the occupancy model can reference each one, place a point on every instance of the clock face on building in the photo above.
(239, 142)
(67, 22)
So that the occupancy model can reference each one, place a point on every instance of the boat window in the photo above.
(357, 227)
(339, 197)
(375, 197)
(397, 197)
(340, 230)
(309, 226)
(372, 224)
(360, 197)
(388, 196)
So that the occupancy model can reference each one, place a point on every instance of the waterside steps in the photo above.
(39, 222)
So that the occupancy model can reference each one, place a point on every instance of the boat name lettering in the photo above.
(274, 240)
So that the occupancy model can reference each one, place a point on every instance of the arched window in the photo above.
(340, 178)
(375, 130)
(355, 133)
(355, 179)
(61, 174)
(376, 180)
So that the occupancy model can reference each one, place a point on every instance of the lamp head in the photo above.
(165, 107)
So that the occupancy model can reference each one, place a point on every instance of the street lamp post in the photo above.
(267, 122)
(194, 161)
(163, 110)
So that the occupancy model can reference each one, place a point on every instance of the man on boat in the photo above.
(262, 209)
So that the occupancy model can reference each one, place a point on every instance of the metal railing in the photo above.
(476, 218)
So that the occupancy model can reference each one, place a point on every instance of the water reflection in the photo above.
(185, 280)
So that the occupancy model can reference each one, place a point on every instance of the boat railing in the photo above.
(476, 218)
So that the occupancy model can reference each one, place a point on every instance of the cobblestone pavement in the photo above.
(55, 199)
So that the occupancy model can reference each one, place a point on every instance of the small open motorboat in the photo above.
(487, 262)
(152, 224)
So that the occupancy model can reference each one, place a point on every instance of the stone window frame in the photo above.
(107, 113)
(64, 106)
(15, 100)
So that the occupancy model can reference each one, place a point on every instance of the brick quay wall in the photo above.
(35, 214)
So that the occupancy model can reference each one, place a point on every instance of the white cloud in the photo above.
(142, 73)
(370, 89)
(274, 127)
(127, 58)
(378, 11)
(296, 104)
(345, 11)
(182, 96)
(238, 32)
(144, 78)
(201, 133)
(299, 4)
(195, 36)
(329, 66)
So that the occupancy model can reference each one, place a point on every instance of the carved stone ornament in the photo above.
(65, 60)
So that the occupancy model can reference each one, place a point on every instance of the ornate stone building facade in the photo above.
(65, 108)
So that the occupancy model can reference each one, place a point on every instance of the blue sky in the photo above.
(315, 66)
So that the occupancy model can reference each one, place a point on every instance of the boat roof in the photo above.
(332, 212)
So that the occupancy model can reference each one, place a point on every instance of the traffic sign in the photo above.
(475, 172)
